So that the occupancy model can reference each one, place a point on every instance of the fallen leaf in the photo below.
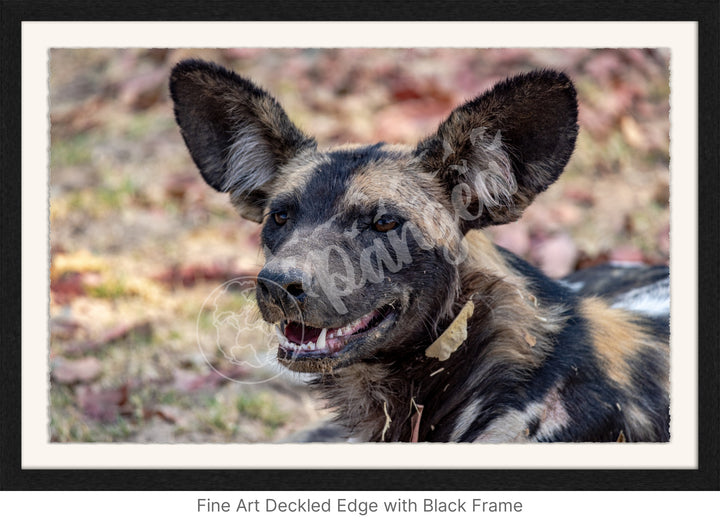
(634, 135)
(400, 122)
(78, 262)
(556, 255)
(144, 90)
(530, 339)
(104, 405)
(596, 121)
(453, 336)
(189, 275)
(626, 253)
(514, 237)
(67, 287)
(192, 382)
(66, 371)
(664, 240)
(604, 64)
(661, 196)
(167, 413)
(184, 186)
(62, 328)
(580, 195)
(415, 422)
(122, 331)
(77, 119)
(566, 213)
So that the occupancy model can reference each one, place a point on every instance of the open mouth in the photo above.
(299, 341)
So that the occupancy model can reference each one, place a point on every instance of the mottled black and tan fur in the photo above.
(372, 251)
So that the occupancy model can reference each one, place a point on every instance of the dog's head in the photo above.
(362, 243)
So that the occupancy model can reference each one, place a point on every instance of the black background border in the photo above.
(705, 477)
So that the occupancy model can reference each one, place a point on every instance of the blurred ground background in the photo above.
(139, 242)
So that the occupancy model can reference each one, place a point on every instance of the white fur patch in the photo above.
(249, 161)
(572, 286)
(511, 427)
(514, 426)
(652, 299)
(465, 420)
(492, 176)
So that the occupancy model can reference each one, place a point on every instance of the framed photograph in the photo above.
(136, 354)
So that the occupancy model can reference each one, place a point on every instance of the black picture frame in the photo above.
(706, 477)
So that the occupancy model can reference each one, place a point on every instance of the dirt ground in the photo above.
(154, 336)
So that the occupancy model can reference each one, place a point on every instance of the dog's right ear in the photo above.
(237, 134)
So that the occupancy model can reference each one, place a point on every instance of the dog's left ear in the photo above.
(495, 153)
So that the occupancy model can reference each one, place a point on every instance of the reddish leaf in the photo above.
(64, 328)
(513, 237)
(566, 214)
(185, 187)
(165, 412)
(189, 275)
(102, 404)
(585, 261)
(77, 119)
(580, 195)
(142, 329)
(595, 120)
(556, 255)
(190, 382)
(144, 90)
(626, 254)
(415, 423)
(605, 65)
(401, 121)
(664, 240)
(67, 287)
(84, 370)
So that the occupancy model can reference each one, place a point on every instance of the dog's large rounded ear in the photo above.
(495, 153)
(237, 134)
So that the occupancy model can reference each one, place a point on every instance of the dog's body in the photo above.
(381, 283)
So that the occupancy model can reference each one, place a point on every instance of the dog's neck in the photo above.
(505, 325)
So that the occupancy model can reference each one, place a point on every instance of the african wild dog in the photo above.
(382, 284)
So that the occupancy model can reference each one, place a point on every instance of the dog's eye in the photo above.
(280, 217)
(385, 224)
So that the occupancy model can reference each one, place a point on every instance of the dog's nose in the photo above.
(281, 288)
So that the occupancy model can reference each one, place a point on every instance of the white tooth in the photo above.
(311, 345)
(338, 332)
(321, 339)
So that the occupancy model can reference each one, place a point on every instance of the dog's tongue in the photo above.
(299, 334)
